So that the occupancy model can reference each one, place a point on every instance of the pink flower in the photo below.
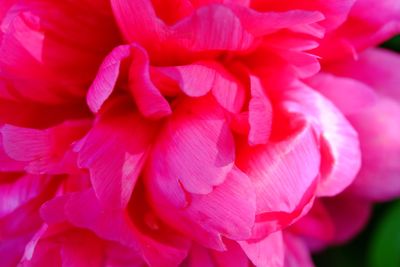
(193, 133)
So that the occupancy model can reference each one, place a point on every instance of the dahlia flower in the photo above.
(193, 132)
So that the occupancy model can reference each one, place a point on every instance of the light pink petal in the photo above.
(268, 252)
(336, 89)
(14, 194)
(369, 24)
(283, 173)
(148, 98)
(43, 151)
(228, 210)
(7, 164)
(263, 23)
(198, 79)
(219, 23)
(296, 252)
(341, 156)
(379, 128)
(260, 113)
(133, 15)
(199, 146)
(334, 11)
(107, 77)
(375, 67)
(114, 151)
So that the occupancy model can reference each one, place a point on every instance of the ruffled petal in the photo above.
(44, 151)
(148, 98)
(296, 252)
(199, 145)
(336, 89)
(375, 67)
(142, 233)
(106, 79)
(228, 210)
(268, 252)
(53, 49)
(283, 174)
(335, 12)
(260, 114)
(340, 149)
(114, 165)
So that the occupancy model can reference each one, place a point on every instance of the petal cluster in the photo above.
(193, 132)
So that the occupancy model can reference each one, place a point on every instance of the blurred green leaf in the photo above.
(384, 247)
(393, 44)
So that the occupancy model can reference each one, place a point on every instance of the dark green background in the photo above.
(379, 244)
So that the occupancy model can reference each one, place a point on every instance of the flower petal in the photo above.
(375, 67)
(106, 79)
(268, 252)
(378, 128)
(296, 252)
(148, 98)
(282, 172)
(115, 166)
(228, 210)
(336, 89)
(43, 151)
(341, 156)
(199, 145)
(260, 114)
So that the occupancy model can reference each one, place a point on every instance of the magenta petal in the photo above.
(378, 127)
(341, 156)
(336, 89)
(221, 26)
(148, 98)
(7, 164)
(296, 252)
(199, 145)
(234, 256)
(260, 114)
(43, 151)
(375, 67)
(291, 167)
(107, 77)
(133, 15)
(268, 252)
(114, 165)
(228, 210)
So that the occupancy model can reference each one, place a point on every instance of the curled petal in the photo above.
(148, 98)
(340, 148)
(283, 171)
(268, 252)
(199, 146)
(260, 114)
(228, 210)
(115, 166)
(44, 151)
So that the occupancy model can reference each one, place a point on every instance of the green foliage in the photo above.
(384, 247)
